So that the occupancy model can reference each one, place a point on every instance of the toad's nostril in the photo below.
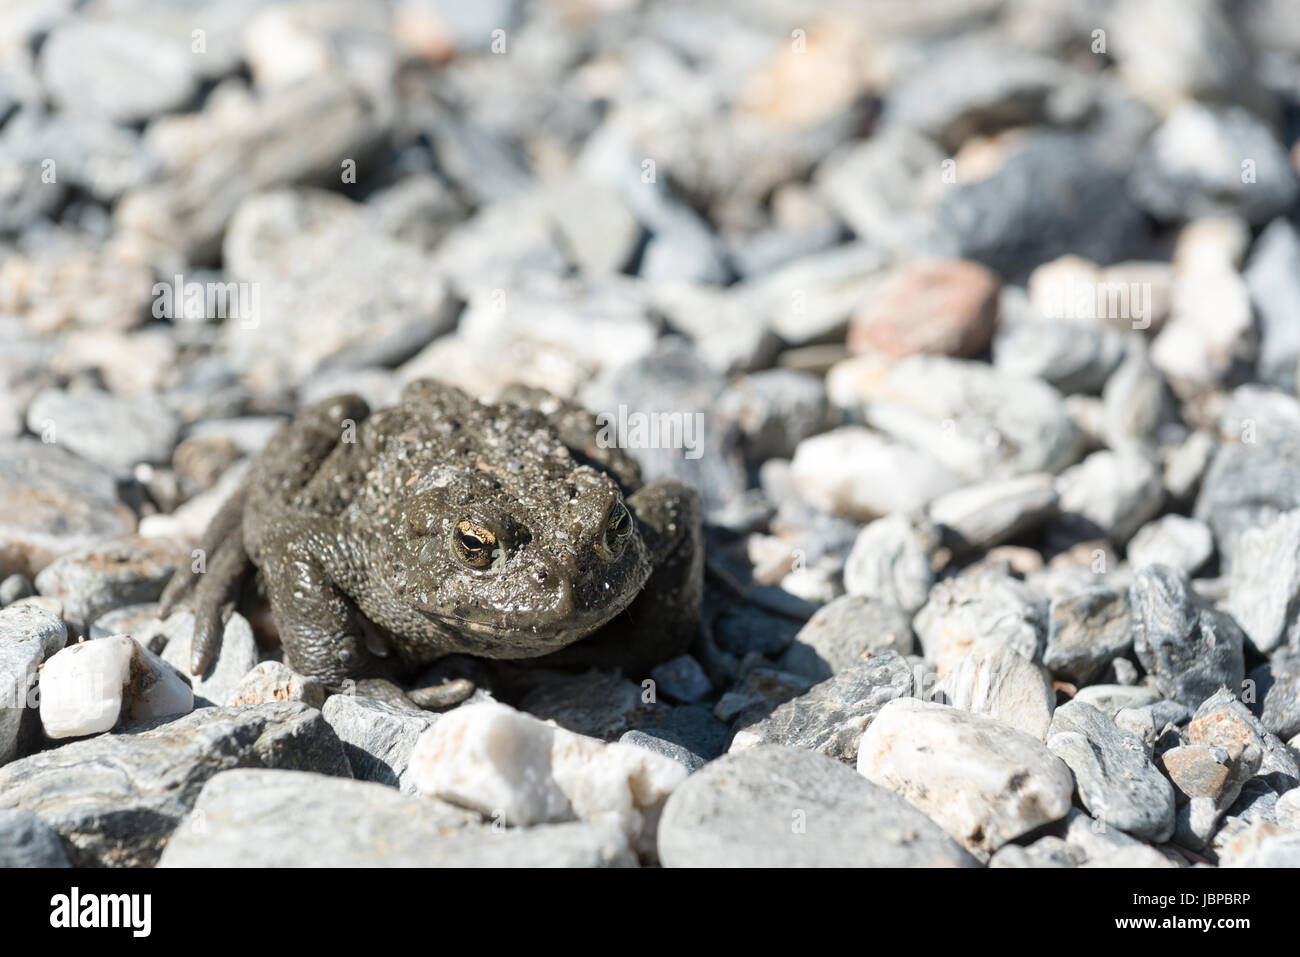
(563, 600)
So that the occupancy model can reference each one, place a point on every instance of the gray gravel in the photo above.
(993, 338)
(786, 807)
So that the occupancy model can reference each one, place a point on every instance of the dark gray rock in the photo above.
(683, 679)
(1191, 649)
(683, 756)
(776, 409)
(114, 799)
(27, 841)
(1115, 778)
(691, 727)
(258, 818)
(377, 737)
(844, 632)
(1085, 632)
(746, 629)
(783, 807)
(1194, 166)
(832, 716)
(599, 704)
(1278, 687)
(1052, 196)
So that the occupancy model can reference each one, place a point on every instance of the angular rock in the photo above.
(1280, 688)
(782, 807)
(1191, 649)
(237, 656)
(1173, 540)
(1053, 195)
(1116, 780)
(1223, 721)
(51, 503)
(973, 419)
(776, 409)
(1210, 332)
(831, 716)
(990, 513)
(504, 763)
(115, 433)
(1110, 494)
(1272, 279)
(1113, 698)
(377, 738)
(844, 632)
(598, 704)
(1264, 588)
(93, 686)
(115, 799)
(675, 752)
(95, 580)
(1194, 166)
(891, 562)
(122, 68)
(27, 841)
(966, 609)
(274, 681)
(241, 144)
(993, 679)
(682, 678)
(24, 631)
(1248, 485)
(983, 782)
(259, 818)
(1070, 356)
(1085, 632)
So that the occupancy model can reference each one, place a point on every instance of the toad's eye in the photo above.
(617, 529)
(475, 545)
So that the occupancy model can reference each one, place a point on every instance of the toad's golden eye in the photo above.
(474, 544)
(617, 529)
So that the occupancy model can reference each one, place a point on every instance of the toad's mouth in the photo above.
(504, 635)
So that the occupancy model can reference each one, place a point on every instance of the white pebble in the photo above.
(88, 687)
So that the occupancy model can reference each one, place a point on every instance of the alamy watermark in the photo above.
(651, 430)
(195, 300)
(1084, 299)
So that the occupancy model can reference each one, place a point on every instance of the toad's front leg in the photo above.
(322, 632)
